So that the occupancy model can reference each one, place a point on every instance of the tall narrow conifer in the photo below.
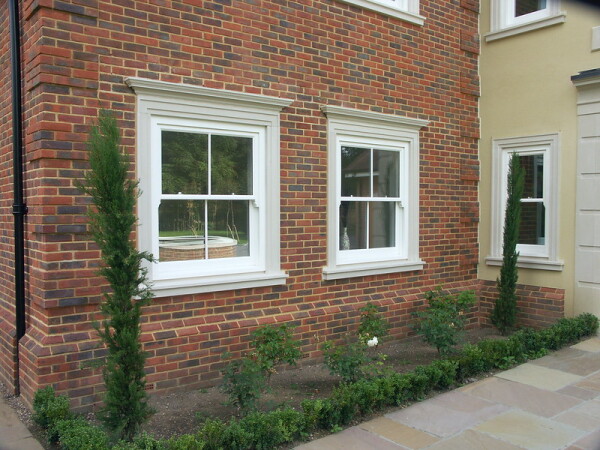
(112, 220)
(504, 314)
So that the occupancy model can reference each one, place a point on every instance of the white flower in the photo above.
(373, 342)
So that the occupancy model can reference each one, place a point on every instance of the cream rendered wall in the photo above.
(526, 89)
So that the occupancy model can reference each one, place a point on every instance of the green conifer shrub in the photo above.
(112, 220)
(504, 314)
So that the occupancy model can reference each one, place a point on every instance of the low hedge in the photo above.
(348, 401)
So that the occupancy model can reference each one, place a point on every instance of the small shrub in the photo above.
(243, 382)
(269, 430)
(442, 323)
(185, 442)
(346, 360)
(275, 345)
(470, 362)
(79, 434)
(312, 412)
(48, 408)
(372, 325)
(143, 441)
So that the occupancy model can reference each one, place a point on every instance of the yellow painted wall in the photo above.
(526, 90)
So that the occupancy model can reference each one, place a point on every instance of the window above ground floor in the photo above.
(510, 17)
(407, 10)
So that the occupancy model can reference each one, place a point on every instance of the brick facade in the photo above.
(77, 55)
(537, 306)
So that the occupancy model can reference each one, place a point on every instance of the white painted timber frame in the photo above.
(354, 127)
(172, 106)
(407, 10)
(543, 256)
(504, 23)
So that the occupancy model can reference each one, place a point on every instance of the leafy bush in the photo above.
(78, 434)
(372, 325)
(273, 429)
(275, 345)
(443, 322)
(346, 361)
(470, 362)
(243, 382)
(48, 408)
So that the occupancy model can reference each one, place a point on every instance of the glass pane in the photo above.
(228, 228)
(386, 169)
(184, 163)
(181, 230)
(523, 7)
(356, 172)
(353, 225)
(533, 224)
(231, 165)
(534, 176)
(382, 224)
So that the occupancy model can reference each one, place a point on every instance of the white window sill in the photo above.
(526, 27)
(530, 262)
(388, 11)
(185, 286)
(367, 269)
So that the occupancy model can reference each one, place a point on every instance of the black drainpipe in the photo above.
(19, 207)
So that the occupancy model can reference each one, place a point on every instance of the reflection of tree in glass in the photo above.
(185, 170)
(231, 157)
(184, 163)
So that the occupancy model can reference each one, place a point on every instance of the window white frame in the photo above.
(177, 107)
(545, 255)
(504, 22)
(348, 127)
(407, 10)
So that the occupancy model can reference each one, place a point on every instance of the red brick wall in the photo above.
(536, 306)
(78, 53)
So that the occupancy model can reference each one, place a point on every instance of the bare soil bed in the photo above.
(182, 412)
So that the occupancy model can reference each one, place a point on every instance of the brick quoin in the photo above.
(76, 57)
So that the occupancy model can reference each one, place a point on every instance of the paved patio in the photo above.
(546, 404)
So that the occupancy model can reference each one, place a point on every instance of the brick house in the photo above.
(296, 160)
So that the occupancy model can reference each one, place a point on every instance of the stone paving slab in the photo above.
(590, 441)
(590, 408)
(591, 383)
(473, 440)
(523, 396)
(530, 431)
(13, 433)
(353, 438)
(577, 362)
(447, 414)
(589, 345)
(399, 433)
(540, 377)
(579, 420)
(579, 392)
